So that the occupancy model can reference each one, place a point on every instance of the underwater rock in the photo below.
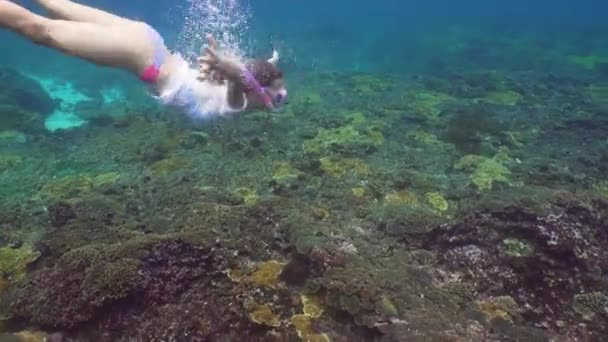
(84, 280)
(24, 93)
(540, 258)
(297, 270)
(14, 261)
(24, 336)
(66, 295)
(470, 127)
(11, 137)
(60, 213)
(16, 119)
(589, 304)
(8, 162)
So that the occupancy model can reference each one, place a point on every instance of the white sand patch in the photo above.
(65, 117)
(114, 94)
(63, 120)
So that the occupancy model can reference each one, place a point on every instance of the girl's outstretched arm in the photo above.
(214, 64)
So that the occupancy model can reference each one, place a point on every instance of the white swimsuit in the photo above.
(200, 99)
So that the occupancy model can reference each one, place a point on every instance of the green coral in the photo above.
(401, 198)
(489, 172)
(107, 178)
(67, 187)
(486, 171)
(284, 173)
(249, 196)
(589, 304)
(263, 315)
(76, 185)
(437, 201)
(517, 248)
(429, 104)
(13, 261)
(267, 274)
(337, 167)
(503, 307)
(342, 138)
(425, 138)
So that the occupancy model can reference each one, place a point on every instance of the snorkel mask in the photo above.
(272, 98)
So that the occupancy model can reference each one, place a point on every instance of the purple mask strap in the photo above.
(253, 84)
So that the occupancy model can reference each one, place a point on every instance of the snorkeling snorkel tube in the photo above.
(250, 82)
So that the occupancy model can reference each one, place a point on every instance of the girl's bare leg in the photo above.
(114, 46)
(68, 10)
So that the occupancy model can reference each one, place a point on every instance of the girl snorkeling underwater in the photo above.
(220, 86)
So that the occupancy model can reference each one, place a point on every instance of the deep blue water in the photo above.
(380, 36)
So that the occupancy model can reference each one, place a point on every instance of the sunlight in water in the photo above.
(227, 20)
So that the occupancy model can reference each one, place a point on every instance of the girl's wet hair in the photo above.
(264, 72)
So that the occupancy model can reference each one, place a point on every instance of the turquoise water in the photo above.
(439, 174)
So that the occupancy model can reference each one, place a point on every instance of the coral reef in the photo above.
(486, 171)
(263, 315)
(25, 93)
(393, 215)
(345, 139)
(13, 262)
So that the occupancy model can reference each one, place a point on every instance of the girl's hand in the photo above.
(214, 64)
(208, 63)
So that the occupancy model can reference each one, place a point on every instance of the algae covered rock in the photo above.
(589, 304)
(24, 93)
(67, 187)
(429, 104)
(338, 167)
(517, 248)
(8, 162)
(346, 139)
(486, 171)
(112, 280)
(437, 201)
(23, 102)
(13, 261)
(286, 175)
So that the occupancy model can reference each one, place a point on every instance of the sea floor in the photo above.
(463, 207)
